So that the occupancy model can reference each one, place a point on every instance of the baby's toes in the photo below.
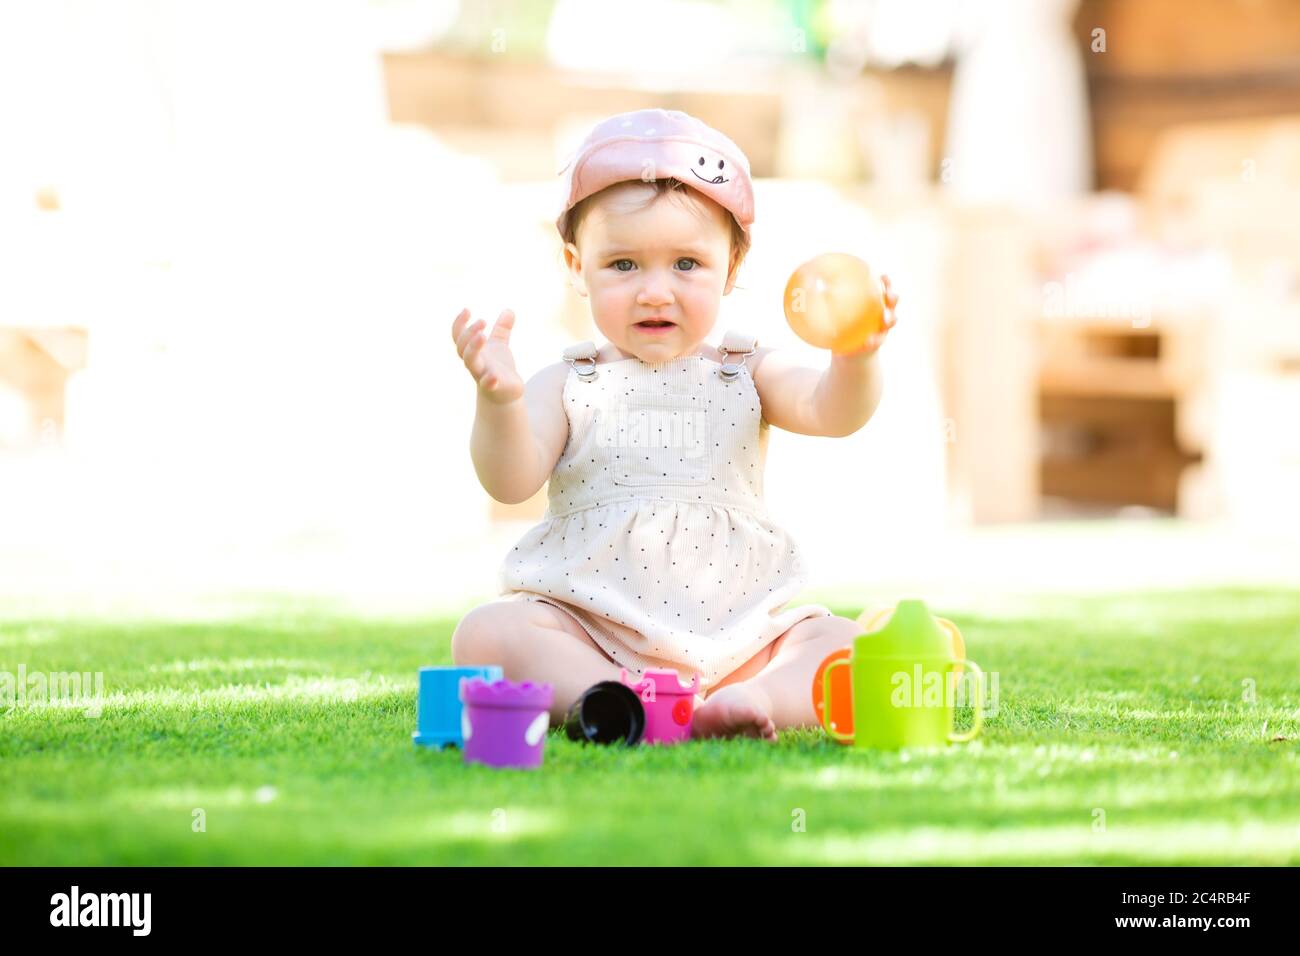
(761, 726)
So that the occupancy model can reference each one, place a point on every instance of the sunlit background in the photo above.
(234, 236)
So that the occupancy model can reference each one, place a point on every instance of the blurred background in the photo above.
(234, 236)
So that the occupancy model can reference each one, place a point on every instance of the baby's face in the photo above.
(662, 261)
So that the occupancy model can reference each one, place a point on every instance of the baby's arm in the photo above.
(515, 446)
(834, 403)
(519, 430)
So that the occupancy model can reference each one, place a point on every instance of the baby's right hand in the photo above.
(488, 357)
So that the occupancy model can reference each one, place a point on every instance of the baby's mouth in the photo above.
(655, 324)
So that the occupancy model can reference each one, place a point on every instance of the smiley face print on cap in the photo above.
(705, 168)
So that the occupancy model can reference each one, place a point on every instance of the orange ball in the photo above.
(834, 301)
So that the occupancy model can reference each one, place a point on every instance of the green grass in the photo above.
(290, 729)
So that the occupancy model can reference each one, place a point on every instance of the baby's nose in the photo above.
(655, 293)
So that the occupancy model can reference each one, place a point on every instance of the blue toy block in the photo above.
(439, 708)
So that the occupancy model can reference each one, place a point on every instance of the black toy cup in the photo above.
(607, 713)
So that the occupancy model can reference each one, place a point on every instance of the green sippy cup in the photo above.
(903, 678)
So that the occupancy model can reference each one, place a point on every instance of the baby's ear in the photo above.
(573, 266)
(732, 272)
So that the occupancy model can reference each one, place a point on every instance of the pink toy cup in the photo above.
(669, 704)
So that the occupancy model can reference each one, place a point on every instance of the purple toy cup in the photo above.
(505, 724)
(669, 704)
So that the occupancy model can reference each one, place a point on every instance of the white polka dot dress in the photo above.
(656, 538)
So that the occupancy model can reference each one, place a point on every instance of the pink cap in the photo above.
(659, 144)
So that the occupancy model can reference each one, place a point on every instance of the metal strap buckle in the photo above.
(586, 373)
(730, 371)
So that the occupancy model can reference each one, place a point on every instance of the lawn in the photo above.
(1151, 728)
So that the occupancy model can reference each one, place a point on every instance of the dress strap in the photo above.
(739, 344)
(735, 341)
(582, 352)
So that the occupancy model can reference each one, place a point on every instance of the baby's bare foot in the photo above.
(735, 711)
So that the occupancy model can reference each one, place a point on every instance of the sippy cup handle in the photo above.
(826, 701)
(977, 675)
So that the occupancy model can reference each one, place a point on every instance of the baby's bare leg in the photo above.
(782, 689)
(536, 642)
(787, 678)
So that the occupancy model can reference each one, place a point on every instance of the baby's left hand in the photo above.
(875, 341)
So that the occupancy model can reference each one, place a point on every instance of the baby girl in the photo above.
(656, 549)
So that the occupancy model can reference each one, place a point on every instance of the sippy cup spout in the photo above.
(911, 631)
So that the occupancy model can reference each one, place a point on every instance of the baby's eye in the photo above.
(619, 262)
(687, 259)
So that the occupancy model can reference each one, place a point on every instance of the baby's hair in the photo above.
(670, 186)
